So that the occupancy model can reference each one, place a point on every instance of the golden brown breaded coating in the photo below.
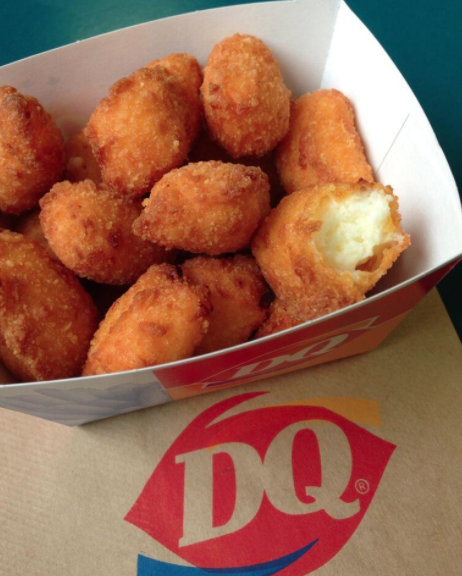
(140, 131)
(31, 151)
(81, 163)
(29, 225)
(208, 207)
(324, 247)
(236, 289)
(186, 71)
(279, 318)
(160, 319)
(323, 144)
(246, 102)
(47, 320)
(90, 230)
(206, 149)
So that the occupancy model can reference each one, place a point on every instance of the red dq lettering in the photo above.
(256, 485)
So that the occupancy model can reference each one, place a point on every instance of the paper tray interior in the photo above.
(319, 44)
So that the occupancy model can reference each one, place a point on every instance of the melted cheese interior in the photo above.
(355, 230)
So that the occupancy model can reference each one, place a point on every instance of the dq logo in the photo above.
(266, 358)
(278, 489)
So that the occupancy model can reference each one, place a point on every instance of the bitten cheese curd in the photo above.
(355, 229)
(324, 247)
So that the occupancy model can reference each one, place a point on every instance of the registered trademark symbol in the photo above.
(362, 486)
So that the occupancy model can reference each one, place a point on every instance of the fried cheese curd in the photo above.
(29, 226)
(31, 151)
(325, 247)
(47, 320)
(142, 130)
(236, 289)
(246, 103)
(81, 163)
(323, 144)
(90, 230)
(159, 319)
(207, 207)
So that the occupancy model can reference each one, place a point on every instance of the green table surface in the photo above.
(422, 37)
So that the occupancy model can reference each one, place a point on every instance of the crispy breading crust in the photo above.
(186, 71)
(90, 230)
(208, 207)
(236, 290)
(140, 131)
(323, 144)
(246, 102)
(31, 151)
(296, 271)
(46, 318)
(81, 163)
(160, 319)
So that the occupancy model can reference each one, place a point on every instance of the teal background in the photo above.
(423, 38)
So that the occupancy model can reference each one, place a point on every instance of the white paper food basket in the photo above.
(319, 44)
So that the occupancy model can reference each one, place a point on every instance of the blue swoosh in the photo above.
(149, 567)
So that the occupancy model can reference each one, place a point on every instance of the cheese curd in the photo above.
(324, 247)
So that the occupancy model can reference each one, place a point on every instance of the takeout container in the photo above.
(319, 44)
